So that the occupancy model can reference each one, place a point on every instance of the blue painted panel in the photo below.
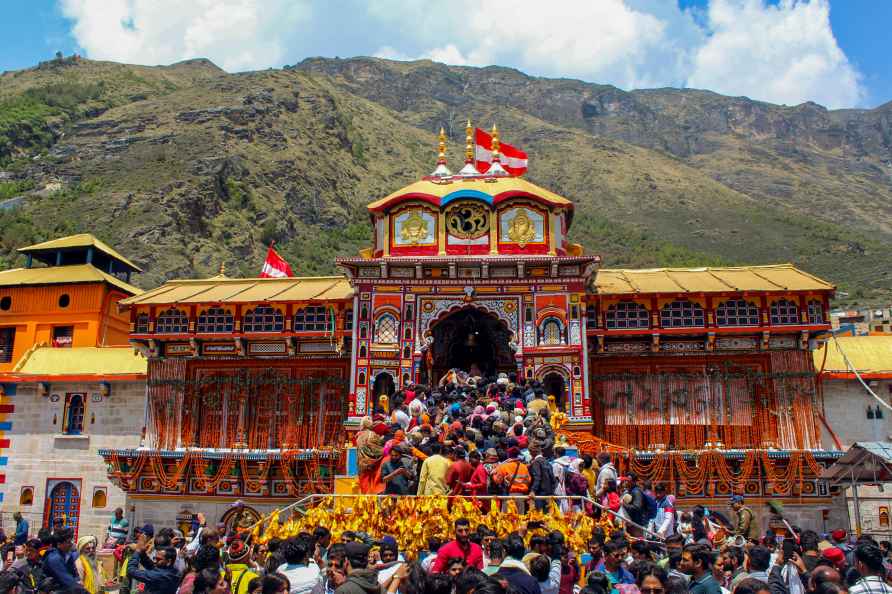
(9, 389)
(6, 426)
(352, 462)
(4, 460)
(458, 194)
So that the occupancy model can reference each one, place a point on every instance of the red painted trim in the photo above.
(7, 408)
(429, 198)
(502, 196)
(743, 330)
(476, 250)
(4, 443)
(852, 376)
(530, 248)
(2, 479)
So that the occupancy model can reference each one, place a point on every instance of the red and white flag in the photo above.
(513, 160)
(275, 266)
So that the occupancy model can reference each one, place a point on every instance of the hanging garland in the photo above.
(248, 381)
(167, 481)
(724, 374)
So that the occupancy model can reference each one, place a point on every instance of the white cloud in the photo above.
(236, 34)
(784, 53)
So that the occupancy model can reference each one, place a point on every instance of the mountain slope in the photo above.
(184, 166)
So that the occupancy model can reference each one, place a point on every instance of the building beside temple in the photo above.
(701, 378)
(70, 383)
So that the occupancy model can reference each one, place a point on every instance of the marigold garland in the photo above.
(413, 520)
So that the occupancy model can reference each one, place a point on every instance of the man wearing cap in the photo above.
(360, 579)
(746, 526)
(241, 574)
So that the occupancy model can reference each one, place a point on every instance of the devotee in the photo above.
(21, 529)
(869, 563)
(432, 478)
(90, 575)
(58, 562)
(746, 524)
(696, 561)
(461, 547)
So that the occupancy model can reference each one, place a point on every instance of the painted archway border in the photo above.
(506, 310)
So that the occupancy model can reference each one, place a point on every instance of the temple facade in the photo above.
(701, 378)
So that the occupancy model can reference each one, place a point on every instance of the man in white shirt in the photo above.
(302, 572)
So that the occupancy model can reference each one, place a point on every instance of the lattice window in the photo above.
(550, 332)
(141, 326)
(172, 321)
(215, 320)
(74, 414)
(263, 318)
(312, 319)
(386, 329)
(737, 312)
(627, 315)
(784, 312)
(591, 316)
(348, 320)
(682, 314)
(815, 312)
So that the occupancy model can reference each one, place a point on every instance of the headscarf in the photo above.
(88, 564)
(370, 453)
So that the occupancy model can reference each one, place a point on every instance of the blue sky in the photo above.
(784, 51)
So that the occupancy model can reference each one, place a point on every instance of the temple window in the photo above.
(7, 342)
(141, 326)
(591, 316)
(348, 320)
(784, 312)
(172, 321)
(550, 332)
(815, 312)
(627, 315)
(386, 329)
(215, 320)
(314, 318)
(26, 497)
(100, 497)
(737, 312)
(263, 318)
(681, 314)
(63, 336)
(74, 414)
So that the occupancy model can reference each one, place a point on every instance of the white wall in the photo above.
(39, 453)
(845, 408)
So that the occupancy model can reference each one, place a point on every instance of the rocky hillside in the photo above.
(184, 166)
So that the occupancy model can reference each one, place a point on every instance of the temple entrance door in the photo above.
(471, 340)
(555, 384)
(383, 385)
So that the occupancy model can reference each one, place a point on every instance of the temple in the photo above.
(702, 377)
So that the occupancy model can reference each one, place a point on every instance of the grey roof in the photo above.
(863, 462)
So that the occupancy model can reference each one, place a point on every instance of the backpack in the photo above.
(575, 483)
(650, 507)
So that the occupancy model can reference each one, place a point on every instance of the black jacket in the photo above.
(542, 475)
(520, 580)
(158, 580)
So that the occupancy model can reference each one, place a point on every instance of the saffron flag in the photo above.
(275, 266)
(513, 160)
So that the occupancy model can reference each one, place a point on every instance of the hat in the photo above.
(238, 550)
(838, 534)
(492, 452)
(388, 541)
(513, 452)
(357, 553)
(736, 499)
(835, 556)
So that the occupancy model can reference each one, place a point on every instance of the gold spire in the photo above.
(441, 157)
(469, 143)
(222, 268)
(495, 143)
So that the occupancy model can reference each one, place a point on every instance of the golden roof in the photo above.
(870, 355)
(221, 289)
(56, 275)
(494, 188)
(104, 361)
(773, 277)
(76, 241)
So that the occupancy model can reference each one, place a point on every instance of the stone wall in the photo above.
(845, 408)
(40, 456)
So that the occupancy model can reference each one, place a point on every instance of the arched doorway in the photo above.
(64, 502)
(555, 384)
(472, 340)
(383, 384)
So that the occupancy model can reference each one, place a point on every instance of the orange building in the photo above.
(65, 381)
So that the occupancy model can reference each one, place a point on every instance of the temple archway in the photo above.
(473, 340)
(555, 384)
(383, 384)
